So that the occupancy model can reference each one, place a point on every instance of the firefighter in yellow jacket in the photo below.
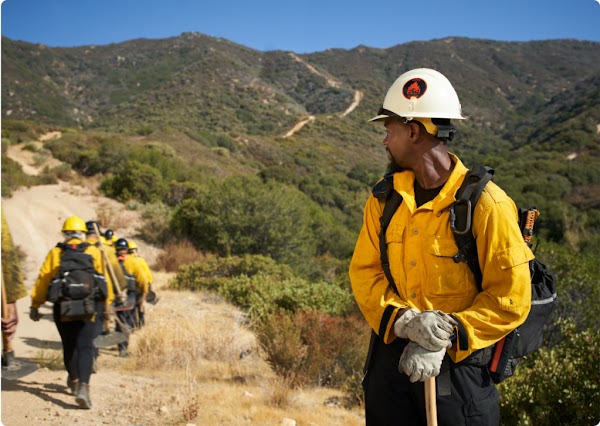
(137, 288)
(76, 332)
(13, 289)
(433, 321)
(133, 250)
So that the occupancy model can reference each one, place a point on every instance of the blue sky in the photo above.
(298, 26)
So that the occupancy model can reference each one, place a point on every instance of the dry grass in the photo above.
(203, 366)
(110, 219)
(177, 254)
(52, 359)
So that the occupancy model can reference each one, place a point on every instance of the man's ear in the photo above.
(415, 130)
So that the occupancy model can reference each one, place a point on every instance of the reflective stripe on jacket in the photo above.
(420, 248)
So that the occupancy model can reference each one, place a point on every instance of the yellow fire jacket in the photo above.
(420, 248)
(50, 268)
(133, 267)
(146, 268)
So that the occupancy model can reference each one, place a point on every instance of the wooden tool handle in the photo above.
(111, 271)
(430, 402)
(6, 343)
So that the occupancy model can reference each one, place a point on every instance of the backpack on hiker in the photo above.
(528, 337)
(130, 280)
(77, 286)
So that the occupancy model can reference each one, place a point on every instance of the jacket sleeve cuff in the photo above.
(386, 326)
(460, 337)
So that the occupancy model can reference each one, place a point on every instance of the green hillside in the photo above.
(197, 132)
(225, 108)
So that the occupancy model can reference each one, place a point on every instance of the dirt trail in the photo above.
(330, 81)
(35, 216)
(298, 126)
(358, 95)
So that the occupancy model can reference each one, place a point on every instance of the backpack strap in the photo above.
(392, 203)
(385, 189)
(461, 214)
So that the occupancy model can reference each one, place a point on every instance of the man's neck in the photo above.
(434, 169)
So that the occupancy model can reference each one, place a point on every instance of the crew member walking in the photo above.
(137, 287)
(75, 318)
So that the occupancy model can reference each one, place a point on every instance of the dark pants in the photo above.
(140, 321)
(78, 344)
(465, 393)
(127, 317)
(99, 324)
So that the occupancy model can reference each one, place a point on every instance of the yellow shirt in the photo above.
(420, 249)
(50, 268)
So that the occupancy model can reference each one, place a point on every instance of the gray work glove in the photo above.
(419, 364)
(34, 314)
(405, 318)
(431, 330)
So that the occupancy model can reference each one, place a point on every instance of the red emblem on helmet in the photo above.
(414, 88)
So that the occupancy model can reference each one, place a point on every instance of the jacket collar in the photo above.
(404, 183)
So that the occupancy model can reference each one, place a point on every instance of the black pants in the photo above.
(465, 393)
(78, 344)
(127, 317)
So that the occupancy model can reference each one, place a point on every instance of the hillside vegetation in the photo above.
(191, 130)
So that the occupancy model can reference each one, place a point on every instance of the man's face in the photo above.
(396, 143)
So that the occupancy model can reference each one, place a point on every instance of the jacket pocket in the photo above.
(514, 256)
(394, 234)
(445, 278)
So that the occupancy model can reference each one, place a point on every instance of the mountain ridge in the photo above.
(228, 109)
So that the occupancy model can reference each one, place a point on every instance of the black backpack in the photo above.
(77, 286)
(528, 337)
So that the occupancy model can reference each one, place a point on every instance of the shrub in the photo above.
(262, 287)
(214, 271)
(175, 255)
(262, 295)
(156, 221)
(243, 215)
(135, 180)
(557, 386)
(307, 348)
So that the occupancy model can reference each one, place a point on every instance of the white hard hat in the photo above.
(421, 93)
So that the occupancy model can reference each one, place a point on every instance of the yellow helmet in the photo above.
(74, 224)
(132, 245)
